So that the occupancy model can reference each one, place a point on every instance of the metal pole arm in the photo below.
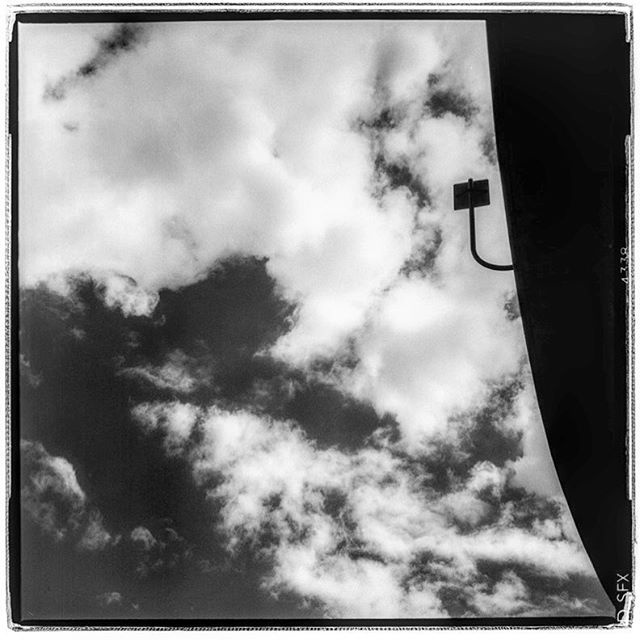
(472, 237)
(474, 251)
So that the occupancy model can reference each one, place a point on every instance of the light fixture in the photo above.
(469, 195)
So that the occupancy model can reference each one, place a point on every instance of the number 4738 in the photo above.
(624, 261)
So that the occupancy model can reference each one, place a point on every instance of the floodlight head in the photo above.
(479, 190)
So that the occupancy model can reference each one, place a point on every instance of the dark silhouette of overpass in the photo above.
(561, 99)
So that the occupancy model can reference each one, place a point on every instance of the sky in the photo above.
(261, 374)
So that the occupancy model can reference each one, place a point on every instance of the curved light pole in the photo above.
(475, 194)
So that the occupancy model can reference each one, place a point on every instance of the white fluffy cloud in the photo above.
(430, 352)
(362, 533)
(211, 139)
(53, 499)
(178, 373)
(207, 140)
(267, 160)
(52, 495)
(95, 536)
(509, 596)
(176, 418)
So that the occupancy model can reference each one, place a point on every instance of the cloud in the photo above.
(51, 494)
(178, 372)
(144, 537)
(55, 501)
(466, 505)
(96, 537)
(162, 551)
(536, 456)
(243, 169)
(429, 353)
(33, 379)
(109, 598)
(176, 419)
(365, 534)
(123, 292)
(320, 156)
(364, 245)
(122, 38)
(447, 101)
(507, 597)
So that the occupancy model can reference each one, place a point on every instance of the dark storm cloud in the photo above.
(123, 38)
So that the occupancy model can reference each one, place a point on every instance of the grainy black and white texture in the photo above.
(261, 374)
